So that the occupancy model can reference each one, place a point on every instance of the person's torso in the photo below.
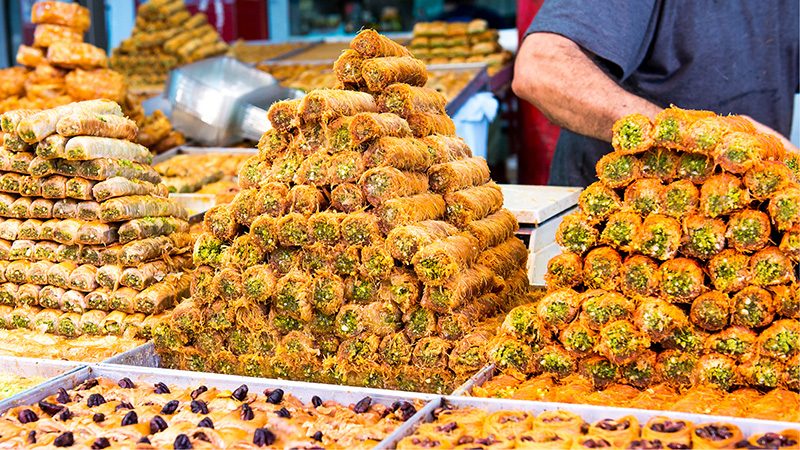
(730, 57)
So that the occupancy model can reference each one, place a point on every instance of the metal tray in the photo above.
(502, 78)
(48, 368)
(302, 391)
(592, 413)
(478, 83)
(483, 375)
(143, 356)
(193, 150)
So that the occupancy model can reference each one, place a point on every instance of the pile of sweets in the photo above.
(366, 246)
(165, 36)
(560, 429)
(459, 42)
(59, 67)
(680, 266)
(103, 413)
(89, 242)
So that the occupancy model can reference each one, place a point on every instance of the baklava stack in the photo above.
(680, 266)
(89, 242)
(458, 43)
(366, 247)
(165, 36)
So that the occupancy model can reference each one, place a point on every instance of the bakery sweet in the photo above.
(104, 413)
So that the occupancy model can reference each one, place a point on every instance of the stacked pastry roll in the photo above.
(470, 427)
(90, 242)
(103, 413)
(679, 267)
(361, 249)
(458, 42)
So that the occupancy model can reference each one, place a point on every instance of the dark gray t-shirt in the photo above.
(727, 56)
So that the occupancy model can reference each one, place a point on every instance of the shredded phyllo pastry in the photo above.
(677, 289)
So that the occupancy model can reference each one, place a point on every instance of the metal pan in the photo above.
(142, 356)
(28, 367)
(302, 391)
(191, 150)
(478, 83)
(589, 413)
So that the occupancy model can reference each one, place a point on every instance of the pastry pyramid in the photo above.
(164, 36)
(367, 246)
(680, 266)
(89, 242)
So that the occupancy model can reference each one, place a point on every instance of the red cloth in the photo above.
(538, 136)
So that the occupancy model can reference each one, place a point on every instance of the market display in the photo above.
(89, 242)
(165, 36)
(459, 42)
(104, 413)
(360, 250)
(70, 70)
(59, 67)
(680, 270)
(11, 383)
(470, 427)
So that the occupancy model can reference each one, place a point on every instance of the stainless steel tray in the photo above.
(478, 379)
(502, 78)
(193, 150)
(53, 370)
(143, 356)
(478, 83)
(302, 391)
(593, 413)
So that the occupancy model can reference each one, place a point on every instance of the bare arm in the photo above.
(554, 74)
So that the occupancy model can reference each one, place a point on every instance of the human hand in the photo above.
(761, 128)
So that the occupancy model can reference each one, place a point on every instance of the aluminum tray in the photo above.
(143, 356)
(592, 413)
(483, 375)
(478, 83)
(302, 391)
(192, 150)
(54, 370)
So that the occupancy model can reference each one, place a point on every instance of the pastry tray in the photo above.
(192, 150)
(146, 356)
(592, 413)
(53, 370)
(478, 83)
(303, 391)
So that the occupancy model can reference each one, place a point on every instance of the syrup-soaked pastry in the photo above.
(106, 413)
